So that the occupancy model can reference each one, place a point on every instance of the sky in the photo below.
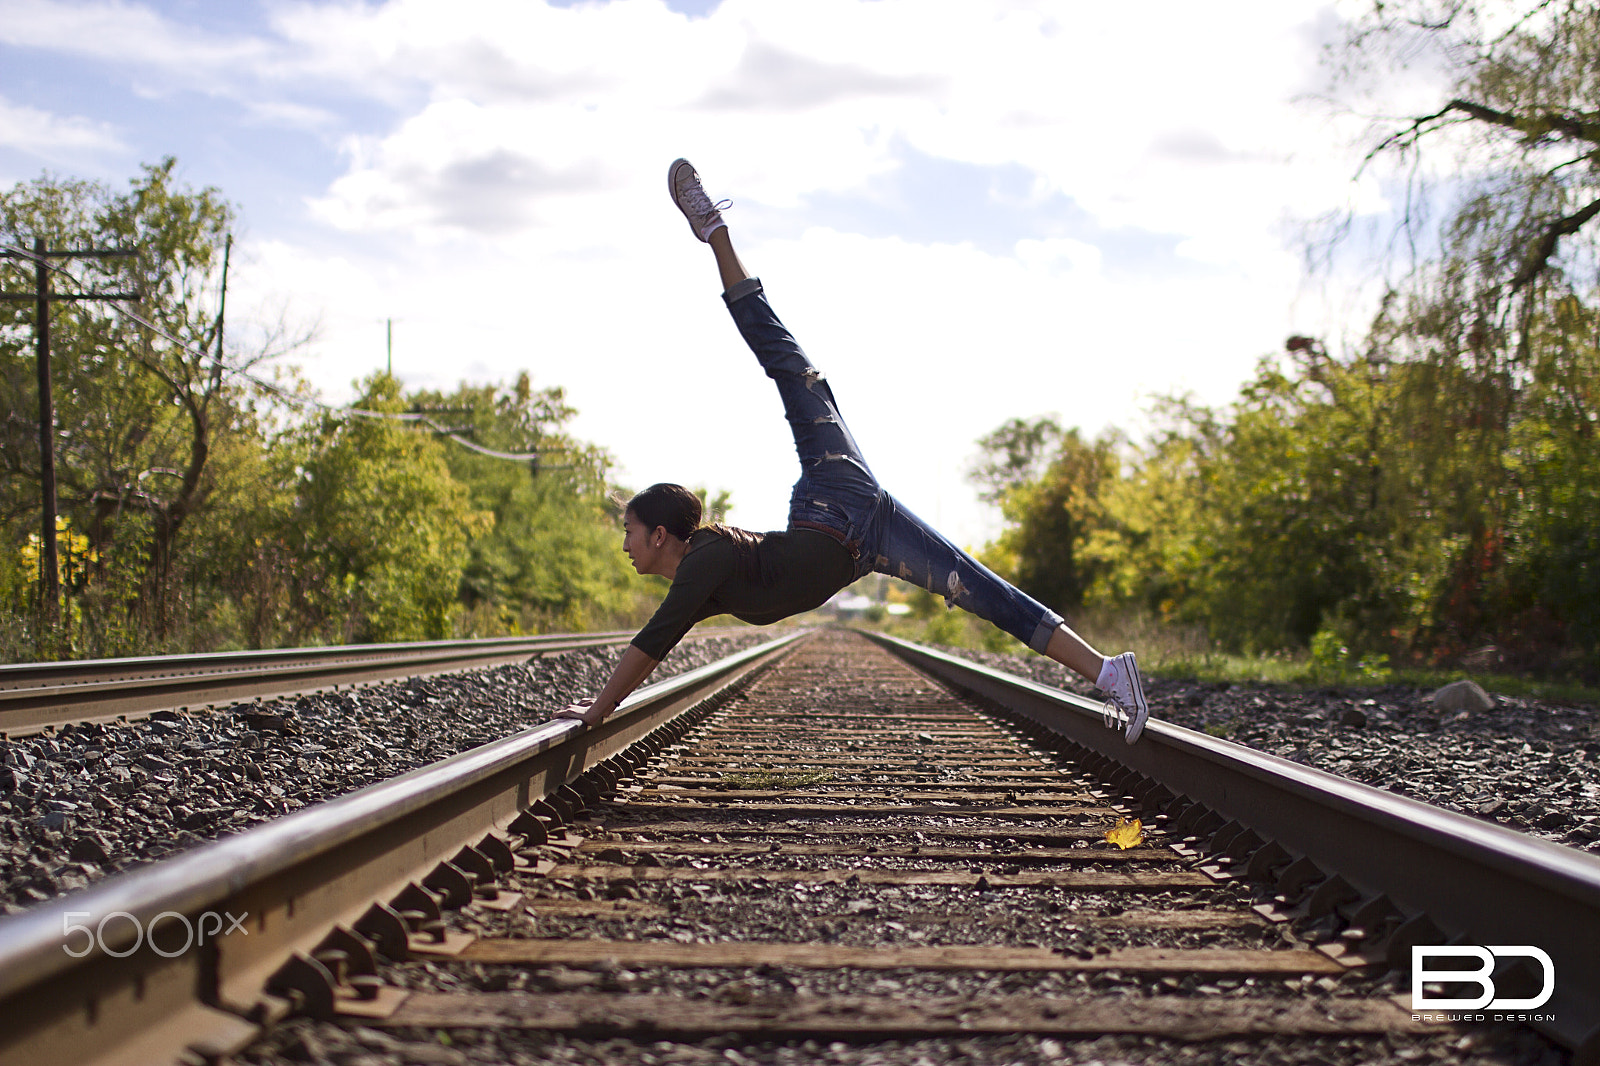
(965, 210)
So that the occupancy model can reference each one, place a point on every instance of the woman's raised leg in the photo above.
(729, 267)
(904, 546)
(836, 490)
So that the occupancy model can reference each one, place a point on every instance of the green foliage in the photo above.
(140, 418)
(945, 627)
(200, 511)
(387, 525)
(1400, 506)
(550, 559)
(1048, 484)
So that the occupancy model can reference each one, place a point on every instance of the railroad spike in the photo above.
(530, 827)
(1416, 930)
(544, 809)
(499, 854)
(1375, 918)
(337, 962)
(1327, 897)
(307, 984)
(1266, 860)
(1297, 877)
(1219, 840)
(453, 882)
(385, 928)
(416, 899)
(1243, 844)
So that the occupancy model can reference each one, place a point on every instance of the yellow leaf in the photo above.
(1126, 834)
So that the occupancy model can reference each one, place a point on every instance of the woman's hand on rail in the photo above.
(582, 711)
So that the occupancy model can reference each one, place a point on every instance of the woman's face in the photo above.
(642, 545)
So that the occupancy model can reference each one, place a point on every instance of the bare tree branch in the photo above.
(1539, 257)
(1579, 126)
(1582, 126)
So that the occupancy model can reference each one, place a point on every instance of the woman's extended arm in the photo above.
(629, 675)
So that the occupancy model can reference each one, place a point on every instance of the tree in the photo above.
(550, 558)
(1520, 103)
(385, 522)
(142, 409)
(1047, 482)
(1491, 331)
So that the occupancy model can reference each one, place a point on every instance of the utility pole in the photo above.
(49, 568)
(388, 361)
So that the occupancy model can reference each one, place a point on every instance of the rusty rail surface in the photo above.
(118, 973)
(34, 696)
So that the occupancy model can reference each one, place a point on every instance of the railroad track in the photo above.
(37, 696)
(810, 842)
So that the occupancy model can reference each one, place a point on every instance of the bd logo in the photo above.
(1420, 975)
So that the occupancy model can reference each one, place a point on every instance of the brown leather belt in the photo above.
(853, 547)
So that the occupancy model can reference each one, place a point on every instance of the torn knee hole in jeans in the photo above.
(812, 376)
(954, 589)
(823, 420)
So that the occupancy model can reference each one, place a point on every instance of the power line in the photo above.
(11, 251)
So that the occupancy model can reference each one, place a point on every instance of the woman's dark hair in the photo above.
(679, 510)
(672, 506)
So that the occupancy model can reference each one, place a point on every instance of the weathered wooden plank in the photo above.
(1135, 918)
(1016, 834)
(1196, 919)
(1053, 784)
(953, 957)
(861, 732)
(955, 793)
(658, 1016)
(1078, 880)
(594, 908)
(914, 851)
(797, 747)
(708, 809)
(996, 763)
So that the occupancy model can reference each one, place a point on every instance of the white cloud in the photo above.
(51, 136)
(121, 33)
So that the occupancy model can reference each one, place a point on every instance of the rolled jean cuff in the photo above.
(1047, 627)
(741, 289)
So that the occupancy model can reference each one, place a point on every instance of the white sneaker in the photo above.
(690, 196)
(1126, 701)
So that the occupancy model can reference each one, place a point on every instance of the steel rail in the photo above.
(300, 885)
(1402, 871)
(34, 696)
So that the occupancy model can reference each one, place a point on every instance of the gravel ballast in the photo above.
(86, 801)
(1525, 764)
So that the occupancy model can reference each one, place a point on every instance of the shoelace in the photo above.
(1112, 713)
(699, 204)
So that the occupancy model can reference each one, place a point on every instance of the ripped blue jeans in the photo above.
(838, 494)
